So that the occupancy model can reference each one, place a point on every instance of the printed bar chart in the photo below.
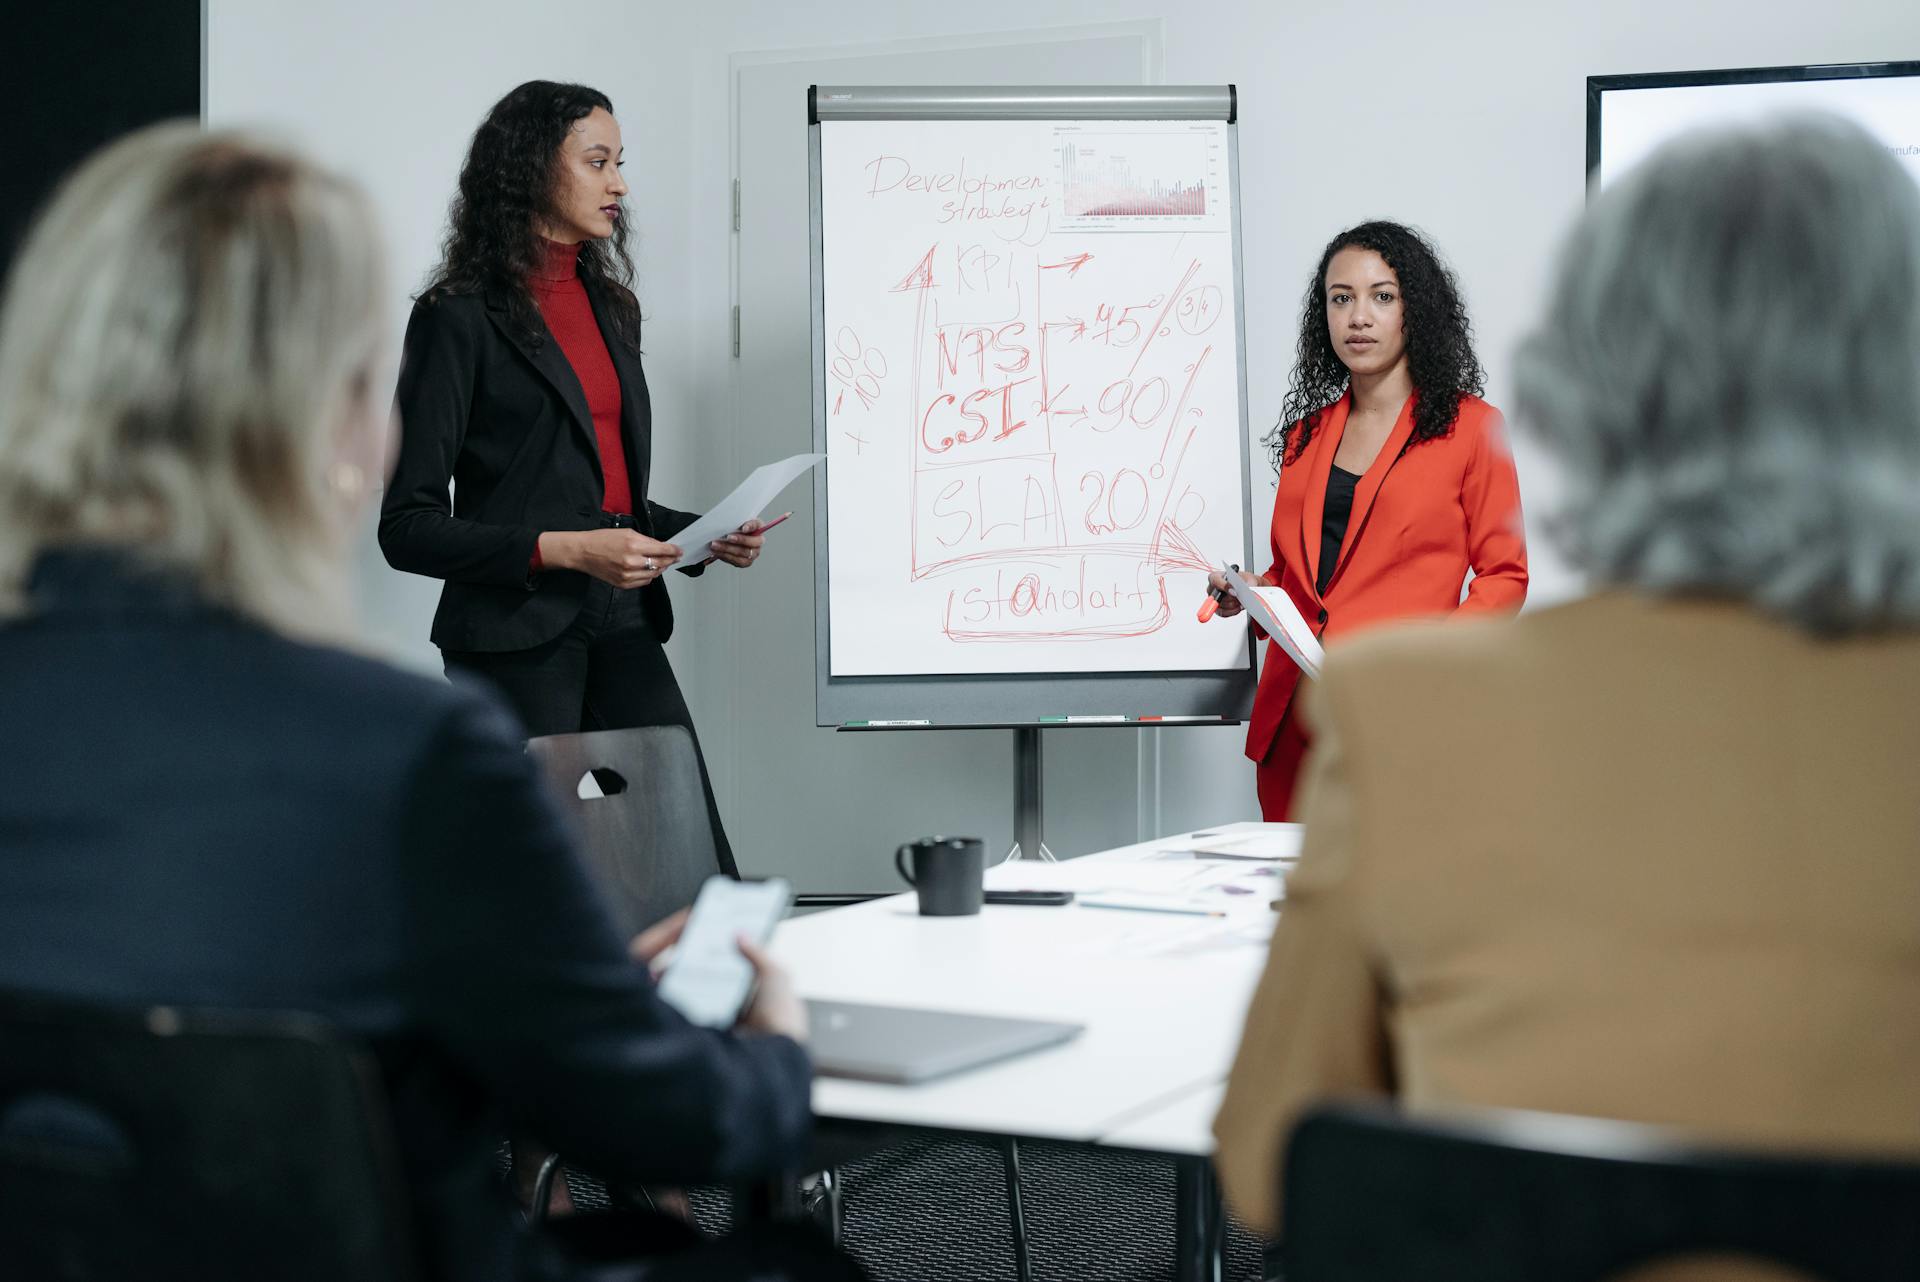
(1133, 176)
(1140, 176)
(1106, 187)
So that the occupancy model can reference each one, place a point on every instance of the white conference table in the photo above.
(1179, 1126)
(1162, 996)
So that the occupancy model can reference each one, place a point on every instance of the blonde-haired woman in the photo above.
(190, 366)
(210, 801)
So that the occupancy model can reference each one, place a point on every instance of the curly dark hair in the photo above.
(506, 186)
(1439, 342)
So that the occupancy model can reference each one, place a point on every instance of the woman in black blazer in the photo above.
(521, 384)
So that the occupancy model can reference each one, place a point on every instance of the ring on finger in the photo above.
(649, 563)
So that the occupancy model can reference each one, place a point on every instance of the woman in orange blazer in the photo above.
(1395, 479)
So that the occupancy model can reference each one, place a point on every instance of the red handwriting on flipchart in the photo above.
(857, 368)
(1053, 400)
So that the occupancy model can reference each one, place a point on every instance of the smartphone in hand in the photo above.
(709, 980)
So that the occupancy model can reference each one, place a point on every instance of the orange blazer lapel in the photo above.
(1369, 487)
(1318, 461)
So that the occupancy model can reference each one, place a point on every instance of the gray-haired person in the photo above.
(1694, 902)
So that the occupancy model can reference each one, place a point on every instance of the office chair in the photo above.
(647, 837)
(650, 842)
(159, 1142)
(645, 831)
(1373, 1195)
(648, 834)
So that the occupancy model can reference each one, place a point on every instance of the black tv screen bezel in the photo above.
(1598, 86)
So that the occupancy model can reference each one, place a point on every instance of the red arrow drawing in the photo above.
(921, 277)
(1073, 265)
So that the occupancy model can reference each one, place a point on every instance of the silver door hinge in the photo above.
(736, 204)
(736, 329)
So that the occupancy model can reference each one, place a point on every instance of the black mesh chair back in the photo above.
(1374, 1196)
(163, 1143)
(648, 838)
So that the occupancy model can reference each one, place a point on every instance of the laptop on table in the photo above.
(904, 1046)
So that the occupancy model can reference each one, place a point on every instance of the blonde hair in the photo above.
(190, 337)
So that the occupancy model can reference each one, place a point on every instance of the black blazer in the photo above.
(505, 419)
(198, 811)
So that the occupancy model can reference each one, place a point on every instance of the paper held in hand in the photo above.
(748, 500)
(1275, 611)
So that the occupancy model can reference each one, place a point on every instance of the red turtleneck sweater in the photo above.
(563, 305)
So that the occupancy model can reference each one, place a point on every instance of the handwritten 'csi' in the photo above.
(949, 420)
(1017, 197)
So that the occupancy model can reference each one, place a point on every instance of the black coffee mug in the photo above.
(949, 873)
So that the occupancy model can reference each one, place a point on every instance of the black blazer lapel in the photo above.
(552, 365)
(636, 407)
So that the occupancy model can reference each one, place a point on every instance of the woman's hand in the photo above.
(776, 1008)
(1229, 603)
(624, 558)
(741, 548)
(647, 946)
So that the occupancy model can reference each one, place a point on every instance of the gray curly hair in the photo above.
(1729, 373)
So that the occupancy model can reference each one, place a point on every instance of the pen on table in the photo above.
(1181, 910)
(1214, 597)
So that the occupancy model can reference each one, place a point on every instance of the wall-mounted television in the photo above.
(1629, 116)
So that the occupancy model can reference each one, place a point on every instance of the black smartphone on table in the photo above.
(1032, 898)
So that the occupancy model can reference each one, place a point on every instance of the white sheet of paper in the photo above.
(1092, 876)
(1275, 611)
(1277, 845)
(748, 500)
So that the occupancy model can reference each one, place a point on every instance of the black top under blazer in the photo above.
(503, 417)
(201, 812)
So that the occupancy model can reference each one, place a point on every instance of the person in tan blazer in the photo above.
(1653, 855)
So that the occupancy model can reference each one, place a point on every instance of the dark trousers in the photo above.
(605, 672)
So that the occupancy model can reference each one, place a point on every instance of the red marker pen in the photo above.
(762, 530)
(775, 521)
(769, 525)
(1214, 597)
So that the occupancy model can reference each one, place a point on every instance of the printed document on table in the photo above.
(1275, 611)
(748, 500)
(1283, 842)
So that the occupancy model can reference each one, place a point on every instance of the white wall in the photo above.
(1466, 119)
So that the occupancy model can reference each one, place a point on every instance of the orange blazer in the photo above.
(1421, 519)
